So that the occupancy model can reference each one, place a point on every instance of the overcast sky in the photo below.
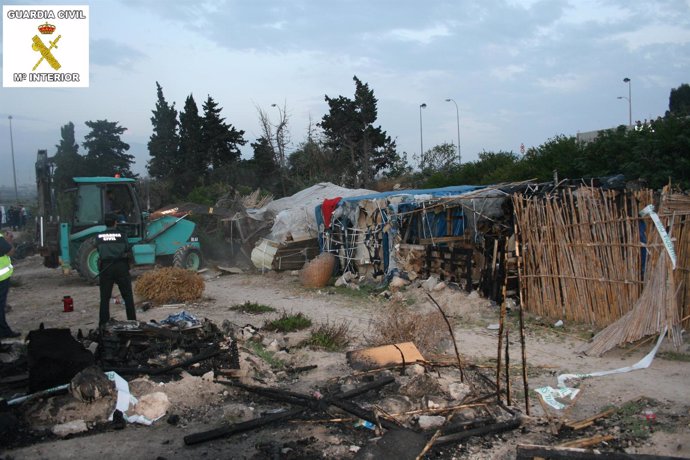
(520, 71)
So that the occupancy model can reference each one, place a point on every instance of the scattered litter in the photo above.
(550, 395)
(184, 319)
(68, 428)
(493, 327)
(231, 270)
(558, 323)
(364, 424)
(429, 422)
(150, 407)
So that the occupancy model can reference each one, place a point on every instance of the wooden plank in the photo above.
(446, 239)
(529, 452)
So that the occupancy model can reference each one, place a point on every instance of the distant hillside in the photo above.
(26, 193)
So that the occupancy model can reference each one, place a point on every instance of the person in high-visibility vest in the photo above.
(6, 269)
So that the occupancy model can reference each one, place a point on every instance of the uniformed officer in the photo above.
(6, 269)
(114, 252)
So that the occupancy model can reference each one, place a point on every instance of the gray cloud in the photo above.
(106, 52)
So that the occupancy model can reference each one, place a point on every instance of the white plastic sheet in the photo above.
(549, 394)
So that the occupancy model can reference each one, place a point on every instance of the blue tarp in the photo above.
(435, 192)
(434, 224)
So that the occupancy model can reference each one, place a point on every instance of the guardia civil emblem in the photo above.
(46, 52)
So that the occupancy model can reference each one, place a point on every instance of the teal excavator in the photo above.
(165, 236)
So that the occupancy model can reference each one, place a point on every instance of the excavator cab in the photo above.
(98, 196)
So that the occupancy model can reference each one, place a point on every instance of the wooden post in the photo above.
(522, 316)
(508, 399)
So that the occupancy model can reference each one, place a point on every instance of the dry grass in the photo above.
(397, 323)
(330, 336)
(169, 284)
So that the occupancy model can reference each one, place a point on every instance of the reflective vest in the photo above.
(6, 268)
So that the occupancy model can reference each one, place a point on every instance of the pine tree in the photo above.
(192, 165)
(106, 153)
(350, 131)
(221, 141)
(68, 162)
(264, 164)
(164, 142)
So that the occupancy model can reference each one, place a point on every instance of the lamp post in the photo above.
(629, 98)
(457, 115)
(421, 132)
(14, 170)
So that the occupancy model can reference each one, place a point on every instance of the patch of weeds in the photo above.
(288, 322)
(252, 308)
(364, 291)
(631, 419)
(330, 336)
(259, 350)
(674, 356)
(396, 324)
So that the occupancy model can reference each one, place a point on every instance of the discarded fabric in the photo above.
(182, 319)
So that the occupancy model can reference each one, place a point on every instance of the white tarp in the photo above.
(294, 214)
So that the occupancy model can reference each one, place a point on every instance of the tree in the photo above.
(192, 164)
(679, 100)
(220, 140)
(106, 152)
(164, 142)
(68, 162)
(278, 137)
(490, 168)
(560, 153)
(438, 159)
(264, 164)
(360, 148)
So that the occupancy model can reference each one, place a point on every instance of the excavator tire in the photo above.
(87, 261)
(188, 257)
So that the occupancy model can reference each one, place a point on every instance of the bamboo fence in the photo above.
(582, 253)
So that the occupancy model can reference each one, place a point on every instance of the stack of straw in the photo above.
(170, 284)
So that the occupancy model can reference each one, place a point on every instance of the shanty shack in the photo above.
(443, 231)
(573, 250)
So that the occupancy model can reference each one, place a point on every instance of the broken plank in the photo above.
(489, 429)
(529, 452)
(584, 423)
(589, 441)
(227, 430)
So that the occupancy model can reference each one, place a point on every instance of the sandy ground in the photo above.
(550, 352)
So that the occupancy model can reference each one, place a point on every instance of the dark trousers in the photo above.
(4, 289)
(116, 272)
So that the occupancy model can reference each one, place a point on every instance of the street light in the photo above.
(421, 132)
(629, 98)
(457, 114)
(14, 170)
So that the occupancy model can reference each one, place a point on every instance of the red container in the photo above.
(67, 304)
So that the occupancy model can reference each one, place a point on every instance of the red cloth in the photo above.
(327, 209)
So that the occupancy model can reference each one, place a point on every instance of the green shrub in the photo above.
(288, 323)
(252, 308)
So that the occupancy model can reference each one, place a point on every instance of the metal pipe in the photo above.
(421, 132)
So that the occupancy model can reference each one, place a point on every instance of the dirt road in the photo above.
(550, 352)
